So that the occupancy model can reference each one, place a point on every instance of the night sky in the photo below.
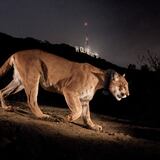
(118, 30)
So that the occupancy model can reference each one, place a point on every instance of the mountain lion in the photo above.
(78, 82)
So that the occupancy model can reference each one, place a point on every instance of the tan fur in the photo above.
(78, 82)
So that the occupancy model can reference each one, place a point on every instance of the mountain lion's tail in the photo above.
(6, 66)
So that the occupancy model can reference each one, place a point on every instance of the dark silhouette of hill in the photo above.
(141, 107)
(10, 45)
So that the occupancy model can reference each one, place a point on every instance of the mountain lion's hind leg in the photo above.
(13, 87)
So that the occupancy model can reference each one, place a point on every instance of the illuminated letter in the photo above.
(77, 48)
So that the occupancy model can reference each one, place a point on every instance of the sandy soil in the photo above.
(22, 136)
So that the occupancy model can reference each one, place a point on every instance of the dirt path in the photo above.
(23, 136)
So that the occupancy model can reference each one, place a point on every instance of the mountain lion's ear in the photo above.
(116, 76)
(124, 75)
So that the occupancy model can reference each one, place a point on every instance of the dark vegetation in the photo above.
(142, 107)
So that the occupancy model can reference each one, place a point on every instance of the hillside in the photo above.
(10, 45)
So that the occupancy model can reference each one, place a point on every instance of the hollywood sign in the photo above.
(86, 51)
